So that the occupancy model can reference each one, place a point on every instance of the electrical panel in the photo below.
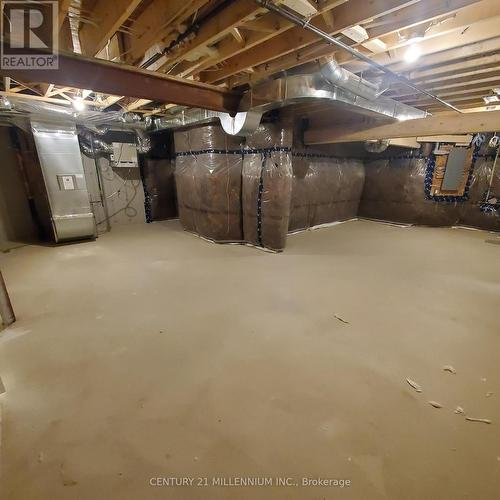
(124, 154)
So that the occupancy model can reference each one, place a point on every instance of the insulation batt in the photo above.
(324, 190)
(159, 182)
(394, 191)
(209, 184)
(257, 189)
(274, 170)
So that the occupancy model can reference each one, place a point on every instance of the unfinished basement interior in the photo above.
(250, 249)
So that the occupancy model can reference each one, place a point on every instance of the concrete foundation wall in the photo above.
(16, 222)
(122, 191)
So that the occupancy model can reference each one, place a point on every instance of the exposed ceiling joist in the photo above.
(107, 17)
(63, 11)
(482, 30)
(434, 125)
(228, 48)
(462, 82)
(423, 11)
(346, 15)
(435, 63)
(217, 27)
(451, 65)
(160, 22)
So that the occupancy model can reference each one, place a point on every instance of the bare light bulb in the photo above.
(78, 104)
(412, 53)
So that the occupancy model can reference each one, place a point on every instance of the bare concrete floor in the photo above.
(153, 354)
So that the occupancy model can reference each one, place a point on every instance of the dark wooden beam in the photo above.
(112, 78)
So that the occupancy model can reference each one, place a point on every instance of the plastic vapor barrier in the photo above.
(325, 190)
(476, 212)
(267, 186)
(159, 187)
(258, 191)
(208, 182)
(394, 190)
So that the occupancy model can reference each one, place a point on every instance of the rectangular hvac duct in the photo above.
(62, 168)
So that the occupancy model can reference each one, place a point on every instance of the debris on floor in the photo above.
(482, 420)
(413, 384)
(449, 368)
(435, 404)
(341, 319)
(459, 410)
(489, 394)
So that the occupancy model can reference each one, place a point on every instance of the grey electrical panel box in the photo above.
(455, 169)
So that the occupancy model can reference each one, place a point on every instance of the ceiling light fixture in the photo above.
(78, 104)
(413, 52)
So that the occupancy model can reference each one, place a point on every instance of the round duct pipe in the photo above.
(243, 123)
(334, 74)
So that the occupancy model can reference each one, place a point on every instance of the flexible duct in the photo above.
(47, 111)
(91, 146)
(143, 141)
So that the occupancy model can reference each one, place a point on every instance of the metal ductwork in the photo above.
(340, 77)
(91, 145)
(305, 23)
(332, 85)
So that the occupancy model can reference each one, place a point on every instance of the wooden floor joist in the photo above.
(486, 121)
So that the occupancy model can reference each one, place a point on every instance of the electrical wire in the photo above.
(127, 208)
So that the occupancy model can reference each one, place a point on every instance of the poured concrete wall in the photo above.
(122, 191)
(16, 222)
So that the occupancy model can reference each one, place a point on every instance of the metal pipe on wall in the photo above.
(304, 23)
(6, 311)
